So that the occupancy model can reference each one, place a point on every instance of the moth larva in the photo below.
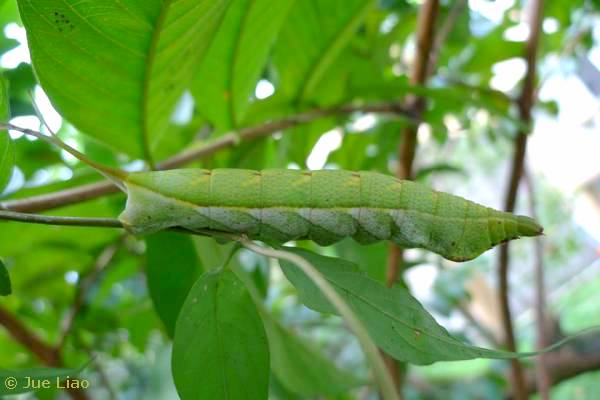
(324, 206)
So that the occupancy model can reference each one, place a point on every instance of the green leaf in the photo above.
(172, 268)
(313, 37)
(300, 367)
(220, 350)
(116, 70)
(5, 286)
(16, 382)
(236, 58)
(7, 147)
(396, 321)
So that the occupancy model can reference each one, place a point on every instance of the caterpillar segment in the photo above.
(324, 206)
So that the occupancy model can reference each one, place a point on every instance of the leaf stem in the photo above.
(113, 174)
(58, 220)
(384, 381)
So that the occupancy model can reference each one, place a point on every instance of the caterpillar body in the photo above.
(324, 206)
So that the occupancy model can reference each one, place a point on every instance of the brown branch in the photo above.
(408, 142)
(98, 189)
(525, 104)
(43, 351)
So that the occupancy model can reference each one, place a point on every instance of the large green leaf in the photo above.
(5, 286)
(236, 58)
(172, 268)
(395, 320)
(220, 349)
(7, 148)
(116, 69)
(300, 367)
(314, 35)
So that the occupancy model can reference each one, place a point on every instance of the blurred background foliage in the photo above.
(85, 288)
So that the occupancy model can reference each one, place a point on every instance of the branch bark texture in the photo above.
(525, 104)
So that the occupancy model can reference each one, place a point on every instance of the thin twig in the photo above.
(442, 35)
(98, 189)
(96, 362)
(482, 329)
(542, 375)
(525, 104)
(103, 260)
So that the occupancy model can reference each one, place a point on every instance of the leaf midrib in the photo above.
(151, 57)
(407, 325)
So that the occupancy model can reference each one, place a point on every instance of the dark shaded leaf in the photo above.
(5, 286)
(172, 268)
(7, 147)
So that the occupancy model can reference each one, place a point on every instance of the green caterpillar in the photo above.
(324, 206)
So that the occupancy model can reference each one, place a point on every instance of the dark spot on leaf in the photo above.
(453, 243)
(60, 29)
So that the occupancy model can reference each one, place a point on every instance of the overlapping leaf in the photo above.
(116, 69)
(395, 320)
(301, 368)
(236, 58)
(312, 39)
